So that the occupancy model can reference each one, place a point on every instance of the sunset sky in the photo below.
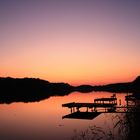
(73, 41)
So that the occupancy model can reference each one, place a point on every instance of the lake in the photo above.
(43, 120)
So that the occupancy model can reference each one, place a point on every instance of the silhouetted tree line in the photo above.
(130, 87)
(84, 88)
(30, 89)
(35, 89)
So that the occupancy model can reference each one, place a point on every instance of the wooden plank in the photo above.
(105, 99)
(89, 105)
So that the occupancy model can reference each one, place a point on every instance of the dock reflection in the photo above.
(82, 115)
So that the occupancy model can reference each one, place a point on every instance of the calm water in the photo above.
(43, 120)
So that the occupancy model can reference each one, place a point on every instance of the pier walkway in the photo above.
(100, 105)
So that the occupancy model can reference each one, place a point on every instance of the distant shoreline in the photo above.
(35, 89)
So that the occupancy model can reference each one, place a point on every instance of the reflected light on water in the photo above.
(44, 119)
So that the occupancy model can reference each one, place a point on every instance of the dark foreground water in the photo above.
(43, 120)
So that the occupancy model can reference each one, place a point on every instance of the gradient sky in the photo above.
(74, 41)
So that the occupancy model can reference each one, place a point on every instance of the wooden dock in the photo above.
(93, 106)
(106, 103)
(100, 105)
(89, 105)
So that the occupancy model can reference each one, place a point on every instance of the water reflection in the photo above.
(43, 120)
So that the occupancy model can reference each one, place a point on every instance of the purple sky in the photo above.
(77, 41)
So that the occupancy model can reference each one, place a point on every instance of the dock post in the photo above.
(95, 109)
(120, 102)
(87, 109)
(78, 109)
(71, 109)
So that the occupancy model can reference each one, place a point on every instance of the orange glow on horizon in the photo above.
(77, 43)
